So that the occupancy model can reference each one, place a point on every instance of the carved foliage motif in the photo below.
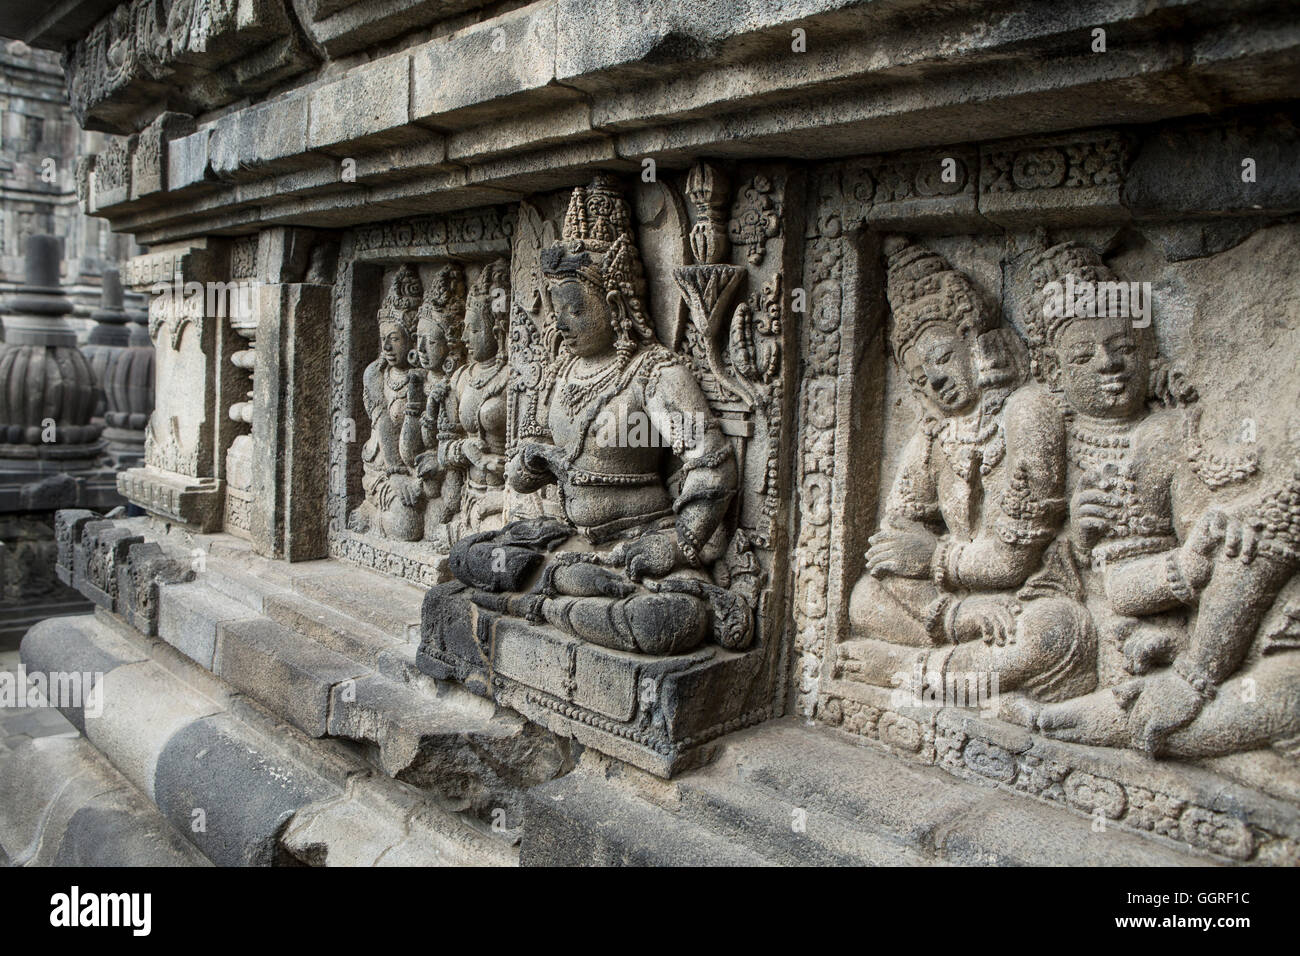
(755, 218)
(1048, 776)
(1096, 162)
(823, 276)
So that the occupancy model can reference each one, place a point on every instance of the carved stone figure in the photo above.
(965, 574)
(1191, 699)
(430, 409)
(475, 444)
(393, 492)
(627, 566)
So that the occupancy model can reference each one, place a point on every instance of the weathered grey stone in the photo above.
(626, 377)
(232, 795)
(339, 121)
(190, 616)
(271, 663)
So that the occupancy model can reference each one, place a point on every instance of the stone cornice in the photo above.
(537, 97)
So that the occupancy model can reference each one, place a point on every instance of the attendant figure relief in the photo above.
(393, 504)
(627, 566)
(967, 575)
(1207, 688)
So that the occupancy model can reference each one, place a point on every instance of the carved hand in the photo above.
(652, 556)
(1165, 703)
(493, 464)
(427, 464)
(584, 579)
(906, 554)
(1146, 648)
(472, 449)
(529, 468)
(1092, 512)
(408, 489)
(990, 618)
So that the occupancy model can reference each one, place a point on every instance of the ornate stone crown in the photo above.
(402, 301)
(597, 247)
(1053, 265)
(923, 289)
(445, 297)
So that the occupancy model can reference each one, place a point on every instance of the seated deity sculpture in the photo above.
(473, 446)
(1216, 687)
(627, 565)
(966, 575)
(393, 502)
(430, 409)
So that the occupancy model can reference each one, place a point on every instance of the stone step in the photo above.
(935, 814)
(229, 775)
(579, 820)
(331, 675)
(63, 804)
(788, 834)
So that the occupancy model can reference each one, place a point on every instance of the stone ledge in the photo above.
(327, 653)
(189, 743)
(62, 804)
(1197, 807)
(794, 794)
(856, 91)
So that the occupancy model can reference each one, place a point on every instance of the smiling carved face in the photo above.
(1103, 371)
(940, 367)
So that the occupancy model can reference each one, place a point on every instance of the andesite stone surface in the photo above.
(600, 433)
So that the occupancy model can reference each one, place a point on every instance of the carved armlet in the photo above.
(1179, 586)
(689, 545)
(1027, 520)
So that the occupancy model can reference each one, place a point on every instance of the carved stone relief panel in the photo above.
(189, 431)
(633, 597)
(418, 381)
(1089, 484)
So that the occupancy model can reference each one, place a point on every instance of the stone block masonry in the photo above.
(955, 518)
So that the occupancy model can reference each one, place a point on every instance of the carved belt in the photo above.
(599, 534)
(597, 478)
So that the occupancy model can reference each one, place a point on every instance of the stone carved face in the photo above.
(1102, 367)
(394, 344)
(480, 332)
(431, 347)
(582, 318)
(940, 367)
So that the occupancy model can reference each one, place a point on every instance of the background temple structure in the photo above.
(40, 141)
(646, 432)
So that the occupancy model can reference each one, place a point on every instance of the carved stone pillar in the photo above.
(182, 479)
(289, 411)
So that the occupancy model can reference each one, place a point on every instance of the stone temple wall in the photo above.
(595, 432)
(39, 145)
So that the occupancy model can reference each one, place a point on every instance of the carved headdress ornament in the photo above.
(402, 301)
(923, 290)
(1043, 325)
(444, 301)
(597, 247)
